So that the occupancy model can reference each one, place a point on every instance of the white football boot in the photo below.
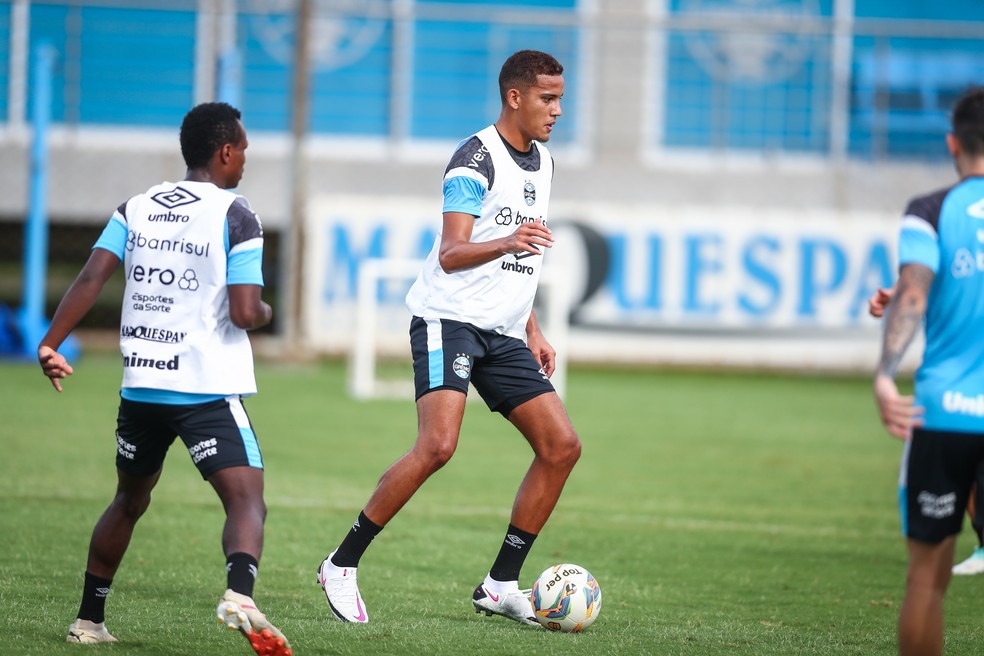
(512, 603)
(342, 592)
(973, 565)
(85, 632)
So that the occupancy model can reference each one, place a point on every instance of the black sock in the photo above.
(512, 554)
(94, 592)
(241, 569)
(356, 542)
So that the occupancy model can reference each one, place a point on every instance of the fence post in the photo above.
(31, 320)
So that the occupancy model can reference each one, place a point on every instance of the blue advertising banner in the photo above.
(647, 276)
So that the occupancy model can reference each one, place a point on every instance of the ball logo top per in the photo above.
(566, 598)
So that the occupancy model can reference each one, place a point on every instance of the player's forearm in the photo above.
(904, 317)
(246, 309)
(467, 255)
(532, 325)
(81, 296)
(894, 344)
(77, 302)
(261, 315)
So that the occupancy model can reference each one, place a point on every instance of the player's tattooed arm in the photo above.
(904, 316)
(898, 412)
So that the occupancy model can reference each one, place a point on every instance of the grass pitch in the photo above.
(721, 514)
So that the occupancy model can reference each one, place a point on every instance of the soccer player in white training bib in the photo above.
(940, 282)
(192, 254)
(473, 321)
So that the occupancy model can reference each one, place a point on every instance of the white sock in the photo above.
(500, 587)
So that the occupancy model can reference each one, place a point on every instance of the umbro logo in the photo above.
(515, 541)
(175, 198)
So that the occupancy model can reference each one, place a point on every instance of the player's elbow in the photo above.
(242, 318)
(447, 262)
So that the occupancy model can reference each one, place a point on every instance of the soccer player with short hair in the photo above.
(473, 321)
(192, 254)
(940, 281)
(974, 563)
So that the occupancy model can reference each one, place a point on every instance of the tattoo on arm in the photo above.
(904, 316)
(898, 336)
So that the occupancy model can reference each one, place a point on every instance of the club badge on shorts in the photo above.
(462, 366)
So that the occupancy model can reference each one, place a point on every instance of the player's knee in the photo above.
(929, 579)
(131, 506)
(564, 452)
(255, 512)
(436, 454)
(573, 451)
(259, 509)
(244, 501)
(440, 456)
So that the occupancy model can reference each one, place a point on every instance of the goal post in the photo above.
(364, 382)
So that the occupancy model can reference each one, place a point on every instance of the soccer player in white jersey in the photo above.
(473, 320)
(940, 282)
(192, 254)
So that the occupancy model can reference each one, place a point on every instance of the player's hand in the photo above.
(898, 413)
(879, 301)
(54, 365)
(543, 352)
(528, 238)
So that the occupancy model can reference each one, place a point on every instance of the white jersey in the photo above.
(176, 330)
(497, 295)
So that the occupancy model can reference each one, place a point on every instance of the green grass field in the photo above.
(721, 513)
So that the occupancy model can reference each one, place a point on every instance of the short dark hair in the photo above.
(522, 68)
(205, 129)
(968, 121)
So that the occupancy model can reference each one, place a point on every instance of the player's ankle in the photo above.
(500, 587)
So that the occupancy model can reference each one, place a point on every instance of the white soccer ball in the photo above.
(566, 598)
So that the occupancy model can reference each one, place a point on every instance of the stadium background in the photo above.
(730, 172)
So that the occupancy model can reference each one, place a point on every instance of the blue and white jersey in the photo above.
(502, 188)
(181, 245)
(944, 231)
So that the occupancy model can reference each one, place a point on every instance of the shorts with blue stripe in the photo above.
(449, 354)
(217, 434)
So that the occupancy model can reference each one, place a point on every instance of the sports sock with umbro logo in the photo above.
(94, 593)
(512, 554)
(241, 571)
(356, 542)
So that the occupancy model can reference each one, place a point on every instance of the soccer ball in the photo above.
(566, 598)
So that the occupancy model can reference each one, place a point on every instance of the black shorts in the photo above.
(938, 470)
(447, 354)
(217, 434)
